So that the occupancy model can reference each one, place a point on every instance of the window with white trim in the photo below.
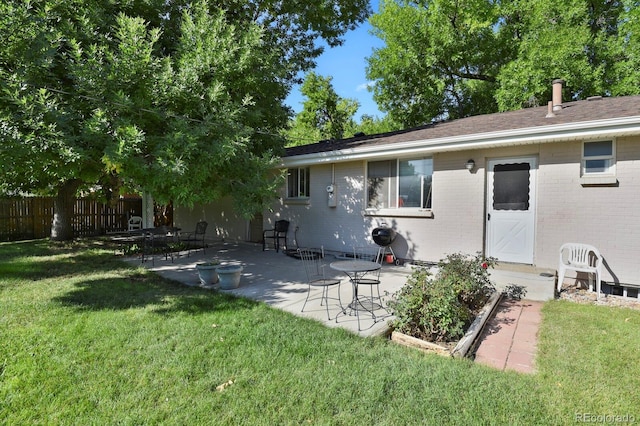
(598, 158)
(298, 182)
(399, 183)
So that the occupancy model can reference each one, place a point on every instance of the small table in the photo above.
(158, 240)
(126, 239)
(149, 240)
(355, 269)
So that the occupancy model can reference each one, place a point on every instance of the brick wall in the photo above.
(607, 217)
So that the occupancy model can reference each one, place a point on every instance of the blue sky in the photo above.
(346, 64)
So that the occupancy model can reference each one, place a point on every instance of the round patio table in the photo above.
(355, 269)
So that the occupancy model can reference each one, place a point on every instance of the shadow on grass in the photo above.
(139, 290)
(43, 259)
(91, 267)
(10, 251)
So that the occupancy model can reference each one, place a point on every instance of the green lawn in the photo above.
(87, 339)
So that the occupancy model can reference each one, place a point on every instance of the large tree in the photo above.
(324, 115)
(327, 115)
(574, 40)
(180, 99)
(453, 58)
(440, 59)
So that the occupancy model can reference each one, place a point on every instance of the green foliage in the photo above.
(440, 308)
(572, 40)
(627, 51)
(370, 125)
(183, 100)
(440, 59)
(326, 115)
(448, 59)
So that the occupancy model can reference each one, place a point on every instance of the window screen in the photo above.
(511, 186)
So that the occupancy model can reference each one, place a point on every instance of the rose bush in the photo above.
(440, 308)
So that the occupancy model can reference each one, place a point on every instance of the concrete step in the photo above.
(539, 284)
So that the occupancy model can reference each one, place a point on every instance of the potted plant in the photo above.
(229, 276)
(207, 272)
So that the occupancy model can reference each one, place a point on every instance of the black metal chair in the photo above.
(157, 241)
(277, 234)
(372, 279)
(195, 239)
(314, 268)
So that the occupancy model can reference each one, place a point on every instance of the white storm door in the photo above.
(511, 200)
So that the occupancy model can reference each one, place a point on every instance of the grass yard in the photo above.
(88, 339)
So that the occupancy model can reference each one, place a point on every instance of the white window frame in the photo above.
(393, 208)
(302, 183)
(605, 177)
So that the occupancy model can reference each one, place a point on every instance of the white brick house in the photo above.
(541, 177)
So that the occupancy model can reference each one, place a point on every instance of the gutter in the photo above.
(526, 136)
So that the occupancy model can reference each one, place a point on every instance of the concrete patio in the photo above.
(280, 281)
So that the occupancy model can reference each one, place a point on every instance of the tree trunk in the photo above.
(61, 229)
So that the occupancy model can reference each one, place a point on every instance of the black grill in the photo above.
(383, 236)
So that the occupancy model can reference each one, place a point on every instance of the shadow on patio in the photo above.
(280, 281)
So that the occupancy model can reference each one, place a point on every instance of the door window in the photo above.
(511, 186)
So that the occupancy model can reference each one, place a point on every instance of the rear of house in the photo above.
(514, 185)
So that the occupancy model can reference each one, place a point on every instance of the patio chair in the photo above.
(371, 279)
(314, 269)
(277, 234)
(157, 241)
(134, 223)
(195, 239)
(580, 258)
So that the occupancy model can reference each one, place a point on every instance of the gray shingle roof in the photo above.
(593, 109)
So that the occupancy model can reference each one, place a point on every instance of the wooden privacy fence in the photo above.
(31, 217)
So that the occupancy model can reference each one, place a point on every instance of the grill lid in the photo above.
(383, 236)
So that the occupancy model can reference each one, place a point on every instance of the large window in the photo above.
(404, 183)
(298, 182)
(598, 158)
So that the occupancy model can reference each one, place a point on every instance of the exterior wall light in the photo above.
(470, 165)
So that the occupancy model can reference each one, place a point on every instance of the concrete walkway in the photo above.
(510, 338)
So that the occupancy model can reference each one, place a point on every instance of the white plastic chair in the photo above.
(135, 222)
(580, 258)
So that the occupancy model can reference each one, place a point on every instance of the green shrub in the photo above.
(441, 307)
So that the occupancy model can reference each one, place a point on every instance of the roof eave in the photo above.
(623, 126)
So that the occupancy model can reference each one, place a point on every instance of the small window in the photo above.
(598, 158)
(401, 184)
(298, 183)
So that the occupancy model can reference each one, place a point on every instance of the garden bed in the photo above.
(443, 309)
(460, 348)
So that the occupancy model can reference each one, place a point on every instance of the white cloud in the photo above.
(365, 86)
